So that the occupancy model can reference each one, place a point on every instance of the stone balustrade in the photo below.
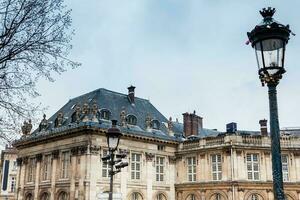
(240, 140)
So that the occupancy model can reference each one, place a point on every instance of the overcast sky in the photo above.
(182, 55)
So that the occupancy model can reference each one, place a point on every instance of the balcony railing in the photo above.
(246, 140)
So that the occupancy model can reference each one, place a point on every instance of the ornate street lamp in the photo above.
(269, 39)
(113, 136)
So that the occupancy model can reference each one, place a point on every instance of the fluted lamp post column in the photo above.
(269, 39)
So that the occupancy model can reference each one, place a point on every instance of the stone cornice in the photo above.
(71, 132)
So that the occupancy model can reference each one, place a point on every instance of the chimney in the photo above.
(131, 94)
(263, 127)
(192, 123)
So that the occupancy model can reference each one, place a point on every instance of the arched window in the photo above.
(29, 197)
(217, 196)
(161, 196)
(254, 197)
(155, 124)
(131, 119)
(105, 114)
(63, 196)
(136, 196)
(45, 196)
(191, 197)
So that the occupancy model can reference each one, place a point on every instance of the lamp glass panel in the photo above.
(269, 54)
(113, 142)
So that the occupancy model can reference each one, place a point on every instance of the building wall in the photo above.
(85, 180)
(235, 183)
(8, 174)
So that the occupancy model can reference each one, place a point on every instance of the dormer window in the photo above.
(155, 124)
(105, 114)
(131, 119)
(73, 117)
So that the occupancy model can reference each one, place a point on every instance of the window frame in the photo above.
(105, 166)
(47, 167)
(65, 164)
(251, 165)
(134, 173)
(191, 168)
(285, 167)
(160, 168)
(31, 170)
(216, 166)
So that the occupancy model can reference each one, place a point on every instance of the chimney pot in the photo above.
(263, 127)
(191, 124)
(131, 94)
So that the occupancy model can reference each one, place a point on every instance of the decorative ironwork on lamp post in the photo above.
(113, 136)
(269, 39)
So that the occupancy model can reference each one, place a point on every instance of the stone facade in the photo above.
(8, 166)
(167, 160)
(243, 171)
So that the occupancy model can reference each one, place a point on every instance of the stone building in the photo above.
(168, 160)
(8, 173)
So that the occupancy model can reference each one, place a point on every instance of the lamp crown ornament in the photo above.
(267, 12)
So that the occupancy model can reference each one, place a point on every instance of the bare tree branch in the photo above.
(35, 40)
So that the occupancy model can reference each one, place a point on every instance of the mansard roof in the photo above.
(114, 103)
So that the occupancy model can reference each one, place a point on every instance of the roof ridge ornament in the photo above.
(267, 12)
(123, 117)
(26, 128)
(44, 123)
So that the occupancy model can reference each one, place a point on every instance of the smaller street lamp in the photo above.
(113, 136)
(269, 39)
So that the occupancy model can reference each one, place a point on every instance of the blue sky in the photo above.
(182, 55)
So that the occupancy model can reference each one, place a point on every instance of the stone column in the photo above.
(94, 169)
(74, 152)
(88, 173)
(38, 159)
(55, 156)
(149, 172)
(240, 194)
(124, 175)
(22, 162)
(82, 171)
(270, 194)
(202, 195)
(172, 174)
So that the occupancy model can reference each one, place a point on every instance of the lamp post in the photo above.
(113, 136)
(269, 39)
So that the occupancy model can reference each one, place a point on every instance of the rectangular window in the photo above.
(160, 164)
(65, 163)
(31, 170)
(136, 166)
(285, 167)
(253, 166)
(105, 167)
(216, 166)
(191, 168)
(47, 167)
(13, 184)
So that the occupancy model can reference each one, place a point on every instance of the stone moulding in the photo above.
(149, 156)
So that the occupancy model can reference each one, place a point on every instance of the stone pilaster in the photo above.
(149, 172)
(73, 173)
(55, 156)
(37, 176)
(172, 175)
(94, 163)
(21, 179)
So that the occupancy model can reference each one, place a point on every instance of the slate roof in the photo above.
(114, 102)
